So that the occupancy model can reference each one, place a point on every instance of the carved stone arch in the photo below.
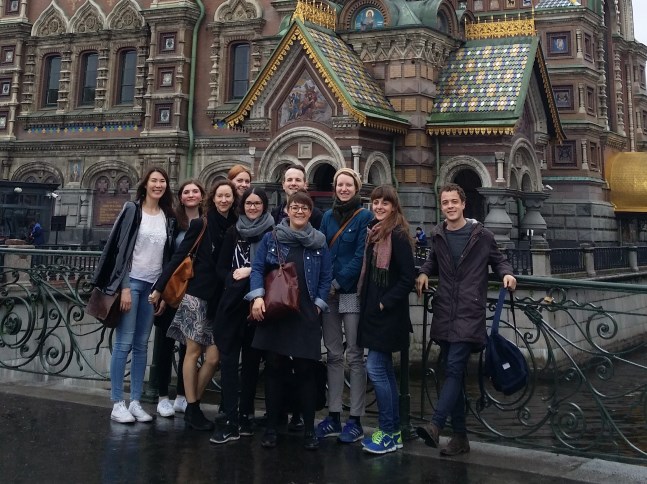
(514, 182)
(526, 181)
(524, 158)
(114, 170)
(88, 18)
(452, 167)
(377, 170)
(52, 21)
(274, 155)
(218, 169)
(238, 10)
(125, 16)
(38, 172)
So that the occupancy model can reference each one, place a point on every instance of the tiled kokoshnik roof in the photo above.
(484, 85)
(557, 3)
(342, 71)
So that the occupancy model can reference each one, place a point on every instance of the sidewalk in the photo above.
(54, 433)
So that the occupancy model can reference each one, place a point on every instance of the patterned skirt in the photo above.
(191, 322)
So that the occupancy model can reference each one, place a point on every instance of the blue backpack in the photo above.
(503, 363)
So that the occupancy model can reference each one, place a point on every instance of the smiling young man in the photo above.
(461, 250)
(294, 179)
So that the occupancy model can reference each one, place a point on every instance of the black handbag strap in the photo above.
(279, 255)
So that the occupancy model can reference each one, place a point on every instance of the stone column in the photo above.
(633, 258)
(499, 157)
(589, 259)
(356, 151)
(497, 219)
(533, 220)
(540, 262)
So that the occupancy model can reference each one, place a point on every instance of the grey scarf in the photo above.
(252, 230)
(308, 237)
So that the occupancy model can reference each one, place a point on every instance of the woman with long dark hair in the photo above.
(189, 196)
(233, 332)
(192, 324)
(132, 260)
(292, 344)
(387, 278)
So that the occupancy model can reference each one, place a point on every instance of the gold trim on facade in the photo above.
(501, 28)
(471, 130)
(317, 13)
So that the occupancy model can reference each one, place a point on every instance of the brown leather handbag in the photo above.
(281, 290)
(176, 286)
(104, 307)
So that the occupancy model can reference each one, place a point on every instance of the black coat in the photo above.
(204, 284)
(461, 295)
(114, 263)
(388, 330)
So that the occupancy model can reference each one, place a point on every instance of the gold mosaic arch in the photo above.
(348, 13)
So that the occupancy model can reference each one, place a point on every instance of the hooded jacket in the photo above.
(461, 296)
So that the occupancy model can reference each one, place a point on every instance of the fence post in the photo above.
(407, 430)
(632, 255)
(589, 259)
(19, 261)
(541, 262)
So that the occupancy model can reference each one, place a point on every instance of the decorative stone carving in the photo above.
(88, 18)
(497, 219)
(533, 221)
(238, 10)
(51, 22)
(125, 16)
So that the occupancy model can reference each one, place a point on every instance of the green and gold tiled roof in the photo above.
(341, 70)
(484, 85)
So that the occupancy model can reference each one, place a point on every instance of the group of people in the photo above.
(355, 270)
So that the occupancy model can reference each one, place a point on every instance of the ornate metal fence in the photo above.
(588, 390)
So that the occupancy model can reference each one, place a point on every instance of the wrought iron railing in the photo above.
(563, 261)
(521, 260)
(611, 257)
(588, 391)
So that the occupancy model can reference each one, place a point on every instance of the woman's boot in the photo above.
(195, 419)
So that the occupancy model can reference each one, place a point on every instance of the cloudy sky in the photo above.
(640, 20)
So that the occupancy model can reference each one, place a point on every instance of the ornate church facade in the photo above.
(538, 108)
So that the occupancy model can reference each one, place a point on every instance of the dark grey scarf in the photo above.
(252, 230)
(309, 237)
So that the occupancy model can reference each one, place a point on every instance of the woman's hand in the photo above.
(258, 309)
(160, 308)
(154, 297)
(242, 273)
(381, 307)
(126, 300)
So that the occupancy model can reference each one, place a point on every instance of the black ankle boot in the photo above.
(195, 419)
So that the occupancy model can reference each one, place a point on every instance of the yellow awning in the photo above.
(627, 178)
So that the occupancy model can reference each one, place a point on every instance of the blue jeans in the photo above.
(451, 401)
(379, 367)
(132, 333)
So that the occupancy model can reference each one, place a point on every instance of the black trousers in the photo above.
(294, 378)
(165, 355)
(250, 359)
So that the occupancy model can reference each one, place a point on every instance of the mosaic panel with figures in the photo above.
(305, 102)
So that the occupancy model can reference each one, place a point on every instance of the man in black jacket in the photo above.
(461, 250)
(294, 179)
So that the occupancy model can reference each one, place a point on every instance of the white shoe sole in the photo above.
(122, 420)
(147, 418)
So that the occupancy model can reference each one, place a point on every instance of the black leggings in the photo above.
(164, 362)
(291, 378)
(251, 360)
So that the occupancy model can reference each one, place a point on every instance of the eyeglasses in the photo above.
(299, 208)
(253, 204)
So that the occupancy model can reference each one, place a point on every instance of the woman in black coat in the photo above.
(192, 324)
(233, 332)
(387, 279)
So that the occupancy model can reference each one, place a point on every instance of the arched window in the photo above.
(239, 70)
(51, 78)
(127, 71)
(88, 84)
(443, 22)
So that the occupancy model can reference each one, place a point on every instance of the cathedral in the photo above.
(537, 108)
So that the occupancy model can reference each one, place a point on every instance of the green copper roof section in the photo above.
(342, 71)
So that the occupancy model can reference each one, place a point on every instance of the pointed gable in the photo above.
(484, 86)
(341, 70)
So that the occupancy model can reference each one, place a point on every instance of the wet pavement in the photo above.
(52, 435)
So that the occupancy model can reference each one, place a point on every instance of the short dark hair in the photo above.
(453, 187)
(294, 166)
(254, 191)
(300, 196)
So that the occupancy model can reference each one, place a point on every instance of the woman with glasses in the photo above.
(233, 332)
(292, 344)
(192, 324)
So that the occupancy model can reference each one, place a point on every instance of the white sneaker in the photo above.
(165, 408)
(179, 405)
(138, 412)
(121, 414)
